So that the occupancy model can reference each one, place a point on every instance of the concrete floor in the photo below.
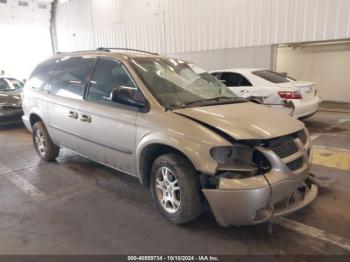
(76, 206)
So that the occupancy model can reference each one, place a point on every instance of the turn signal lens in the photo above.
(290, 94)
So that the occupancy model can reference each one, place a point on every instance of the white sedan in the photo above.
(297, 98)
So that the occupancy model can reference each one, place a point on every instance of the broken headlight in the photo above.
(239, 161)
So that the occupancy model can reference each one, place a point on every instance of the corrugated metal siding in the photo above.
(257, 56)
(177, 26)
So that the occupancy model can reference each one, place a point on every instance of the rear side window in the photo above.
(110, 74)
(42, 75)
(273, 76)
(234, 79)
(70, 76)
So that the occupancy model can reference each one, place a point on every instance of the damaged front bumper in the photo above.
(253, 206)
(258, 199)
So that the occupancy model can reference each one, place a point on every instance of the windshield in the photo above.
(273, 76)
(15, 83)
(10, 84)
(176, 83)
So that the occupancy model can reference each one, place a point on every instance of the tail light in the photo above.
(290, 94)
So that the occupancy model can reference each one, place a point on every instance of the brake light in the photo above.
(290, 94)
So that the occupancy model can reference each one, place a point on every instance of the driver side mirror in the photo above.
(125, 95)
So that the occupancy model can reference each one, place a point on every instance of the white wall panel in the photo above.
(327, 65)
(25, 35)
(12, 13)
(177, 26)
(260, 57)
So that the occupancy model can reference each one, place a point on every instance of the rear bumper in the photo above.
(299, 108)
(306, 108)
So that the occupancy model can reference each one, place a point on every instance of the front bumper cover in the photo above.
(258, 199)
(249, 207)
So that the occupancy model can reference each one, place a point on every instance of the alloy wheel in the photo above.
(168, 190)
(40, 142)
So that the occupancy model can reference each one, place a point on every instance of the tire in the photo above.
(185, 188)
(43, 144)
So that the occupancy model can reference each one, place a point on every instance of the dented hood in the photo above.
(244, 120)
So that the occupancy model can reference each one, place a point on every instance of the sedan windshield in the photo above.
(177, 84)
(15, 83)
(10, 84)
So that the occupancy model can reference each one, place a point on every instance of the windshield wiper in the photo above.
(216, 100)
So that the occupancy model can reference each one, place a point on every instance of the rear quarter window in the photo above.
(41, 75)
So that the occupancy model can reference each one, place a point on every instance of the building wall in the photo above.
(259, 56)
(25, 12)
(186, 26)
(25, 36)
(328, 65)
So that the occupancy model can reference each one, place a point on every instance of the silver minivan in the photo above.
(183, 133)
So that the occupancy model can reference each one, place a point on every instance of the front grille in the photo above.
(296, 164)
(302, 136)
(285, 149)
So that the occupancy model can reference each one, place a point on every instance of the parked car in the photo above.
(10, 101)
(297, 98)
(175, 127)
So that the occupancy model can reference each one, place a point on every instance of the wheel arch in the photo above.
(149, 153)
(33, 118)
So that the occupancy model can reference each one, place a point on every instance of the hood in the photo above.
(10, 98)
(244, 121)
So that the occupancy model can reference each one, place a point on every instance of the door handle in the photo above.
(244, 91)
(85, 118)
(73, 114)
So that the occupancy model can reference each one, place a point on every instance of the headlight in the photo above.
(239, 160)
(235, 153)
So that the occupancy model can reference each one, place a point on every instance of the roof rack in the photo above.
(74, 52)
(108, 49)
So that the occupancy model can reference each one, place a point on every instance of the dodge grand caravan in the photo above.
(182, 132)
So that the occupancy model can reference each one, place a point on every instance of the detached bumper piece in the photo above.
(253, 206)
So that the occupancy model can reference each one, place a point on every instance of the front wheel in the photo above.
(43, 144)
(175, 188)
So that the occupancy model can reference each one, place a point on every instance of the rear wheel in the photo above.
(175, 188)
(43, 144)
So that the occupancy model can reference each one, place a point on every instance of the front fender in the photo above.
(197, 153)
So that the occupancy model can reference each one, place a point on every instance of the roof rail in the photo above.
(74, 52)
(108, 49)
